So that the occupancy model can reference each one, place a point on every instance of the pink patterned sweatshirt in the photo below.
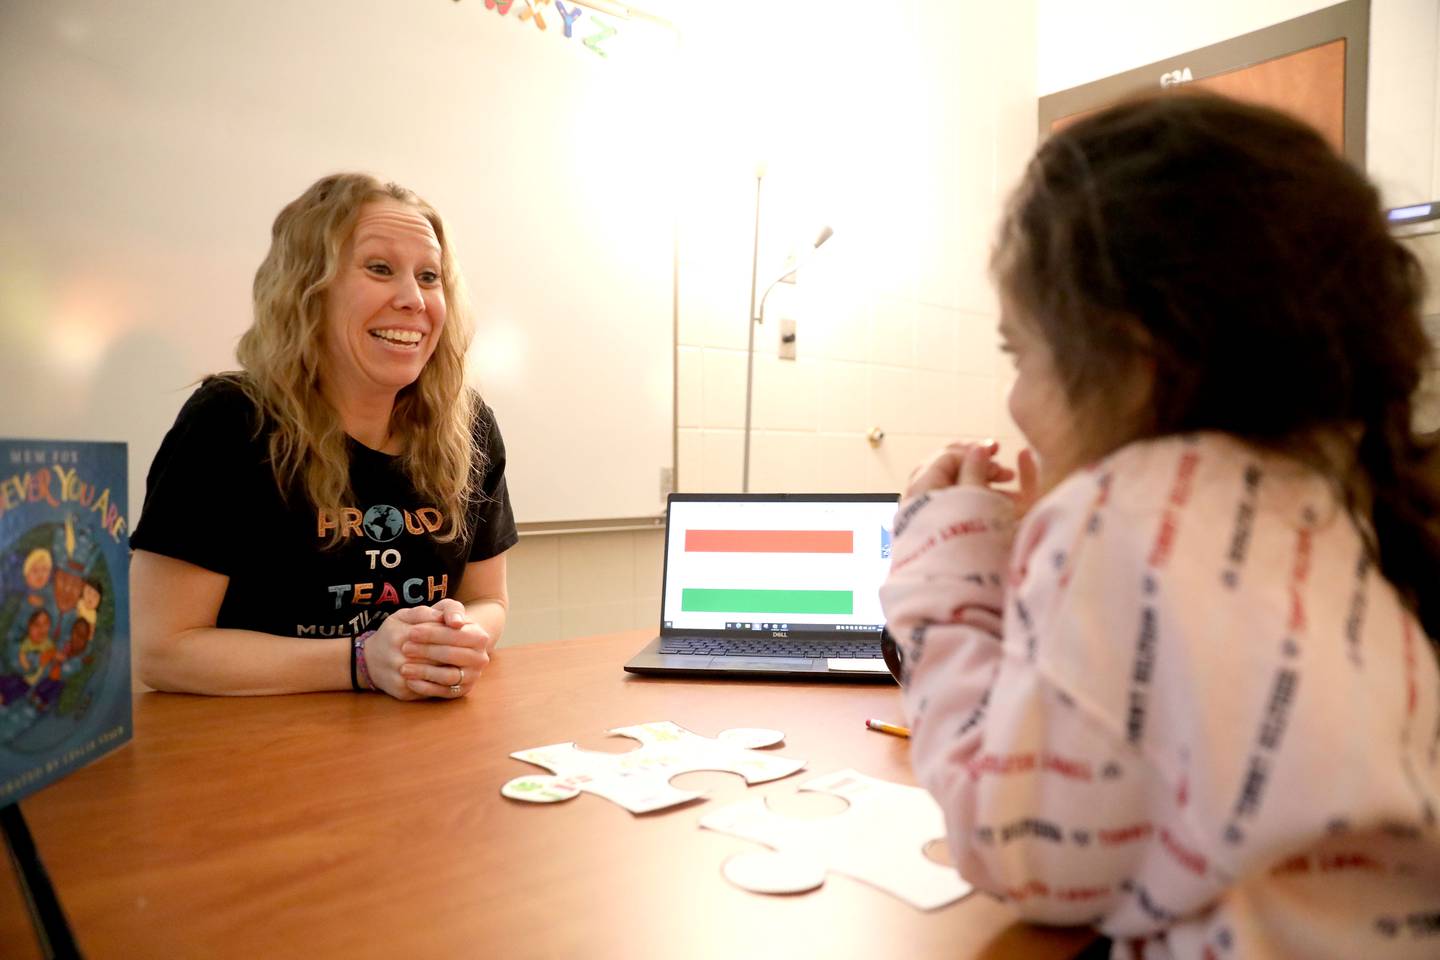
(1178, 703)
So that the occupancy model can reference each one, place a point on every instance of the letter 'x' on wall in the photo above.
(530, 9)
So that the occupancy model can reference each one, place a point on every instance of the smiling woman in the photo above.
(370, 480)
(386, 306)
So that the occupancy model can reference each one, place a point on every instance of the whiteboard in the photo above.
(147, 147)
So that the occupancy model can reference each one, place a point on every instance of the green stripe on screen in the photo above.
(701, 600)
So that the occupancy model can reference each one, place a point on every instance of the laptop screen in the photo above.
(790, 564)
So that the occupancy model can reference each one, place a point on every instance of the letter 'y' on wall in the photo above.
(569, 16)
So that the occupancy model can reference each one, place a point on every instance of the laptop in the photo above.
(773, 585)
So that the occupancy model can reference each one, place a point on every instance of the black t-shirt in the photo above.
(211, 500)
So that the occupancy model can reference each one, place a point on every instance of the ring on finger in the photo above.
(461, 681)
(455, 689)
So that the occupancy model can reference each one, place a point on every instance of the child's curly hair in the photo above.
(1229, 248)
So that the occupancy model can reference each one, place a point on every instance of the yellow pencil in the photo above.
(894, 729)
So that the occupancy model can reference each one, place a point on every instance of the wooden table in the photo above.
(337, 825)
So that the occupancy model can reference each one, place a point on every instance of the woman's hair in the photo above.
(281, 356)
(1232, 251)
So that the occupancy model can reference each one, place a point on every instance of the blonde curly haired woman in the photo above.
(335, 514)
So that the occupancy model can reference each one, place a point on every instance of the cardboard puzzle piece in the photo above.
(878, 839)
(639, 780)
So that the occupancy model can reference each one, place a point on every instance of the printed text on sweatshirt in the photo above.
(1178, 702)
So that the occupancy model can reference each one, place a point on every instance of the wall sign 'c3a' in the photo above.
(1176, 77)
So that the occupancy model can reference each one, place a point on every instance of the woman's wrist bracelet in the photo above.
(360, 673)
(354, 649)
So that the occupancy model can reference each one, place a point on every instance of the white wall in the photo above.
(147, 147)
(903, 134)
(901, 128)
(1080, 42)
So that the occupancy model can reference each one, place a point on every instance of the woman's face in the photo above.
(386, 307)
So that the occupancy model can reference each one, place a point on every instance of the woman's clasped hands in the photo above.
(434, 651)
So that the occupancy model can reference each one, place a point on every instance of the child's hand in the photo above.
(960, 464)
(1029, 475)
(973, 464)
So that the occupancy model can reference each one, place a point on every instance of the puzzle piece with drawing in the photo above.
(639, 780)
(879, 839)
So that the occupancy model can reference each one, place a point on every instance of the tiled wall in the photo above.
(895, 319)
(912, 142)
(925, 118)
(574, 585)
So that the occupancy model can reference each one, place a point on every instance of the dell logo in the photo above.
(779, 633)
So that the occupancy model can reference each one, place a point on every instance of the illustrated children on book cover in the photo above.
(64, 609)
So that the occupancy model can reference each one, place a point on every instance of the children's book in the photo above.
(64, 609)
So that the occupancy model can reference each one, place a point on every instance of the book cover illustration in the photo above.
(64, 609)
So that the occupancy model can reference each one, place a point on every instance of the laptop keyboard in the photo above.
(732, 647)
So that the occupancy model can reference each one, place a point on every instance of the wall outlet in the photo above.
(787, 338)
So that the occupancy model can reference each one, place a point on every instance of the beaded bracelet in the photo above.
(354, 682)
(359, 672)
